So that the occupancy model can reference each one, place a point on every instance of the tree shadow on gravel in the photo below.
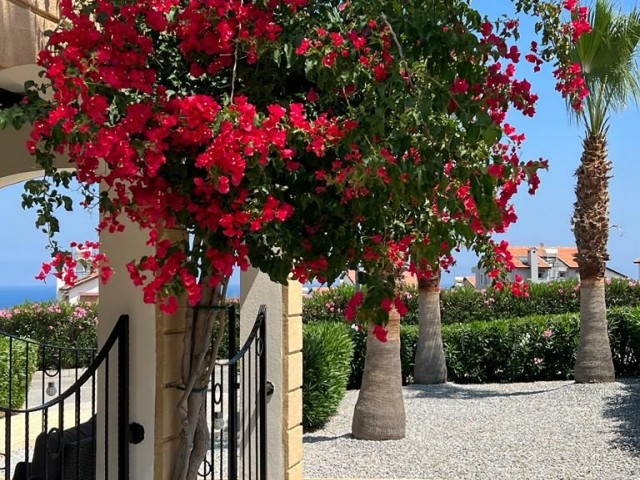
(459, 392)
(625, 408)
(311, 438)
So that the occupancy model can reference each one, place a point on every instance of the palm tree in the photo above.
(608, 56)
(379, 413)
(430, 365)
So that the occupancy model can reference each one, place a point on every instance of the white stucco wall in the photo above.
(256, 288)
(118, 297)
(73, 294)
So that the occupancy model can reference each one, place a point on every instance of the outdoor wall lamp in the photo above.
(51, 389)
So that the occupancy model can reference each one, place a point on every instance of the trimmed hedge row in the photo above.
(326, 359)
(468, 305)
(534, 348)
(15, 368)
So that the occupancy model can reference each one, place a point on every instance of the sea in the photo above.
(11, 295)
(15, 295)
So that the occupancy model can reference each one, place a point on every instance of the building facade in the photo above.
(541, 264)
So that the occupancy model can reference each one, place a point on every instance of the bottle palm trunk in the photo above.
(430, 364)
(594, 362)
(379, 413)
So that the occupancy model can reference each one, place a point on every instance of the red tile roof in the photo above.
(86, 279)
(565, 254)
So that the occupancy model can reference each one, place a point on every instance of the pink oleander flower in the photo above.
(547, 334)
(537, 361)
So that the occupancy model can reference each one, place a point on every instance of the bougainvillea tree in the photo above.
(303, 137)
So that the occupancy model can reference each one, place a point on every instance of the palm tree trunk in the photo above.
(430, 364)
(379, 413)
(594, 362)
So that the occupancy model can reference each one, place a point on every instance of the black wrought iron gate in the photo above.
(237, 404)
(50, 430)
(48, 399)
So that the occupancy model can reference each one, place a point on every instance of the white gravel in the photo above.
(543, 430)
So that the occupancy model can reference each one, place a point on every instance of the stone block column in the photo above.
(170, 331)
(284, 367)
(292, 381)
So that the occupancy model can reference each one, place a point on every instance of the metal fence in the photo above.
(236, 406)
(48, 401)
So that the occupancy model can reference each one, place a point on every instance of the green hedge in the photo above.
(326, 364)
(58, 324)
(468, 305)
(17, 369)
(525, 349)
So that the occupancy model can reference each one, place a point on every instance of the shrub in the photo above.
(359, 339)
(463, 305)
(517, 350)
(534, 348)
(622, 293)
(326, 361)
(16, 370)
(58, 324)
(328, 305)
(624, 337)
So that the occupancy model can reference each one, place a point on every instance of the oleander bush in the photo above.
(517, 350)
(463, 305)
(16, 370)
(327, 305)
(326, 365)
(56, 324)
(534, 348)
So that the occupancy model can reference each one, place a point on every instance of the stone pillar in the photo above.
(169, 347)
(284, 367)
(256, 288)
(292, 382)
(170, 330)
(117, 297)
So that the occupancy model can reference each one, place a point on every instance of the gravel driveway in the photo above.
(543, 430)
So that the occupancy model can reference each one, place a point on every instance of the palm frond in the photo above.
(609, 58)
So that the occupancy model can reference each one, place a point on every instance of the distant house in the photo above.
(462, 282)
(541, 264)
(85, 290)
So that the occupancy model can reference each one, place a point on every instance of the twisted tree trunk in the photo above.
(379, 413)
(430, 365)
(198, 361)
(594, 362)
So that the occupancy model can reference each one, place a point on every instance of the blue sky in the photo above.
(544, 217)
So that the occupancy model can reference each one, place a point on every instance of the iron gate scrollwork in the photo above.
(236, 405)
(57, 438)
